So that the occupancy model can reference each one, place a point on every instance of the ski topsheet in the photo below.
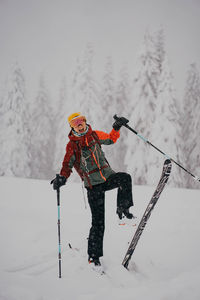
(163, 180)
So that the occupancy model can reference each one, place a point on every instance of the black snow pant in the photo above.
(96, 199)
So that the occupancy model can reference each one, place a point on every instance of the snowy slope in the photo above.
(165, 265)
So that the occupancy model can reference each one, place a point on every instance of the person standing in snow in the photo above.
(84, 153)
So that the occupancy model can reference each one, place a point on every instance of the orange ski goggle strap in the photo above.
(77, 121)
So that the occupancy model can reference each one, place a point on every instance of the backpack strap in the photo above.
(95, 136)
(77, 152)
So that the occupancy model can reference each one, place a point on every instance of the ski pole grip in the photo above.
(115, 117)
(121, 120)
(58, 191)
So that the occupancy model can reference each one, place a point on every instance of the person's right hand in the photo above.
(58, 181)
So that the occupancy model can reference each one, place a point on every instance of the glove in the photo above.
(120, 121)
(58, 181)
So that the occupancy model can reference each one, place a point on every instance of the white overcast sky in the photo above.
(48, 35)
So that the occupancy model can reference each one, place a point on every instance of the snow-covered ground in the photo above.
(165, 265)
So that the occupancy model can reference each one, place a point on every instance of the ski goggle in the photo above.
(77, 121)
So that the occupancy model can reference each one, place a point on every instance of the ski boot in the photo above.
(96, 265)
(124, 212)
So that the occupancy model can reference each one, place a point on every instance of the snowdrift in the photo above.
(165, 265)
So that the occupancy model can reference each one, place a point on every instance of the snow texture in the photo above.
(165, 265)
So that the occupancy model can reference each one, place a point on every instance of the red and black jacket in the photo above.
(86, 156)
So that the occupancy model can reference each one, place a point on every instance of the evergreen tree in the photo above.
(14, 135)
(85, 90)
(142, 109)
(166, 128)
(190, 121)
(107, 108)
(62, 128)
(108, 102)
(42, 135)
(123, 94)
(155, 113)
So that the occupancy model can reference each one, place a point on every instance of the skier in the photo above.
(84, 153)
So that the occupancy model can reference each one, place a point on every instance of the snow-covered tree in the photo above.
(85, 90)
(62, 128)
(190, 120)
(142, 109)
(123, 95)
(42, 135)
(14, 135)
(166, 128)
(108, 100)
(108, 106)
(155, 113)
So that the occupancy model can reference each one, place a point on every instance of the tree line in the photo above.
(34, 132)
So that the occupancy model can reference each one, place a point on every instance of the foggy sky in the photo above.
(48, 36)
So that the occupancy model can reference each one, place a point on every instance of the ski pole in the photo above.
(59, 239)
(125, 121)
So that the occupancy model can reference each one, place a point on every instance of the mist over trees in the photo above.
(34, 130)
(190, 124)
(14, 127)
